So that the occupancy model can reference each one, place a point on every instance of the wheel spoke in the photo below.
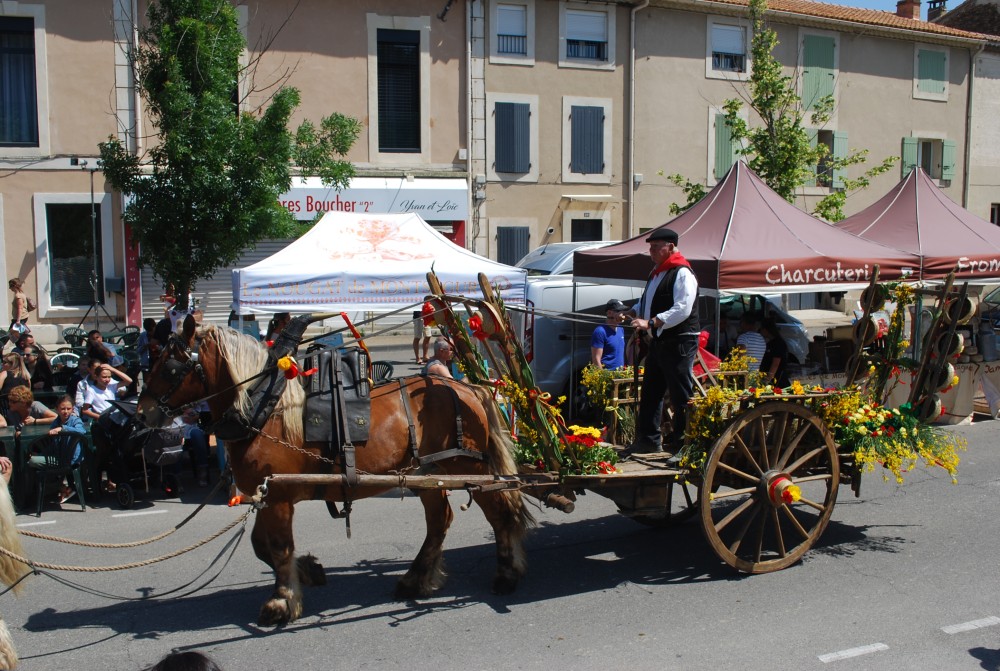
(738, 439)
(739, 510)
(812, 504)
(738, 472)
(777, 533)
(735, 545)
(759, 549)
(795, 522)
(762, 437)
(735, 492)
(813, 478)
(781, 424)
(805, 458)
(792, 446)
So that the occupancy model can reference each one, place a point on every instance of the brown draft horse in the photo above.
(226, 358)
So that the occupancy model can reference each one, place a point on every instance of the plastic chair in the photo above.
(53, 456)
(130, 335)
(74, 336)
(381, 371)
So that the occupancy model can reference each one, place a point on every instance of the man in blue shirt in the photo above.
(607, 344)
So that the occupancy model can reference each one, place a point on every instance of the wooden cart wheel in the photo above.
(773, 477)
(681, 505)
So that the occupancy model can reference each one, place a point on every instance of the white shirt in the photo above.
(685, 295)
(99, 400)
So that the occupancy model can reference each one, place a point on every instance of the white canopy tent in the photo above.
(366, 262)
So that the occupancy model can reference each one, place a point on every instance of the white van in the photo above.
(556, 258)
(556, 341)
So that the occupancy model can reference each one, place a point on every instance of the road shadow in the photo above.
(988, 659)
(845, 540)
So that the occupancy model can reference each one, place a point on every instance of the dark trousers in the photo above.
(668, 369)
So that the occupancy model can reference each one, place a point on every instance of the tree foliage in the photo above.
(208, 187)
(781, 150)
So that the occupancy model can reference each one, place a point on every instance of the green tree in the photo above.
(208, 187)
(781, 150)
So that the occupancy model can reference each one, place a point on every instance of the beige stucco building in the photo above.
(507, 124)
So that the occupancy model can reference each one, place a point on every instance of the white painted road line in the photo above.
(853, 652)
(969, 626)
(35, 524)
(142, 512)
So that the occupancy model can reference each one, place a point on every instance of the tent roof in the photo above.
(742, 236)
(366, 262)
(916, 216)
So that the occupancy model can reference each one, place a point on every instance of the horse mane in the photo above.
(247, 357)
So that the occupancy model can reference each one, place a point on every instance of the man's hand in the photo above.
(640, 324)
(5, 465)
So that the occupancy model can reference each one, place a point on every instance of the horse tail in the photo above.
(500, 457)
(11, 570)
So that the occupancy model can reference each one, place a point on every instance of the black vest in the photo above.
(663, 300)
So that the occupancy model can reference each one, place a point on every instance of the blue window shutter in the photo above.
(948, 159)
(512, 243)
(587, 137)
(839, 153)
(512, 140)
(725, 148)
(909, 161)
(931, 75)
(817, 69)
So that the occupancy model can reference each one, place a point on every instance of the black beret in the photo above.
(665, 234)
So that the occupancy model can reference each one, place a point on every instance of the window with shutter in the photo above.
(398, 91)
(512, 29)
(725, 147)
(512, 243)
(930, 73)
(728, 48)
(587, 153)
(948, 159)
(818, 68)
(909, 155)
(586, 35)
(512, 137)
(18, 91)
(840, 151)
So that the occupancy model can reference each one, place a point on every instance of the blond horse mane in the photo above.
(245, 358)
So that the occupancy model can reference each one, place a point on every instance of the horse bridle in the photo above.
(174, 372)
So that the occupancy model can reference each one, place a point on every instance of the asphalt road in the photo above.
(904, 578)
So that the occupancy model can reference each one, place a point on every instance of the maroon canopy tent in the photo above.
(744, 237)
(917, 217)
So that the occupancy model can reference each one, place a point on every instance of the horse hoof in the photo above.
(407, 591)
(504, 584)
(277, 612)
(310, 571)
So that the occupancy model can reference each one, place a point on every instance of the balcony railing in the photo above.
(588, 50)
(512, 44)
(729, 62)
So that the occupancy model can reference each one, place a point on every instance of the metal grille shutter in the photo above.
(512, 137)
(215, 295)
(587, 149)
(398, 90)
(512, 243)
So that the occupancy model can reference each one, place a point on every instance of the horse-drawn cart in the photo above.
(761, 466)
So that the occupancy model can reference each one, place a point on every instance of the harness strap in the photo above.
(411, 429)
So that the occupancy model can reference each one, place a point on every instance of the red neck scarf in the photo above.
(673, 261)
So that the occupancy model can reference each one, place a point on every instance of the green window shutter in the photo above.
(948, 159)
(839, 153)
(725, 148)
(931, 77)
(909, 161)
(817, 69)
(813, 139)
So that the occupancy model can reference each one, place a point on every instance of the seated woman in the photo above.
(38, 365)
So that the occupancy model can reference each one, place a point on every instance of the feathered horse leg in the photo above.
(11, 570)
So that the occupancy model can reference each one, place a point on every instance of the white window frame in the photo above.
(12, 8)
(103, 203)
(513, 59)
(714, 110)
(422, 24)
(800, 67)
(583, 63)
(532, 101)
(567, 141)
(923, 95)
(712, 73)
